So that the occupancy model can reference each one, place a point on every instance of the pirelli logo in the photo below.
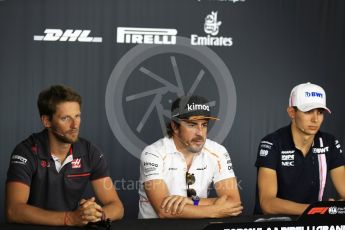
(146, 35)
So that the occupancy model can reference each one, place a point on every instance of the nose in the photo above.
(315, 116)
(75, 123)
(199, 129)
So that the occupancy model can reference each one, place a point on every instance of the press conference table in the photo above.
(324, 215)
(235, 223)
(148, 224)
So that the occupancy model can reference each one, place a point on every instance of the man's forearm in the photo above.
(220, 208)
(113, 210)
(28, 214)
(190, 212)
(281, 206)
(210, 201)
(207, 201)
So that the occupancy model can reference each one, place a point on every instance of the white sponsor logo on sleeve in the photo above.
(263, 152)
(16, 159)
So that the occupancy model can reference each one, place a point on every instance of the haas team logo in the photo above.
(76, 163)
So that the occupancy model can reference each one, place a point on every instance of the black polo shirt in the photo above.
(300, 179)
(31, 163)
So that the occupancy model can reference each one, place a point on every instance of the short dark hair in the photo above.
(170, 130)
(49, 98)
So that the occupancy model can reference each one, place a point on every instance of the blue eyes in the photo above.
(69, 118)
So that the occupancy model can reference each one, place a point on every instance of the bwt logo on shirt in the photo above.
(193, 107)
(313, 94)
(321, 150)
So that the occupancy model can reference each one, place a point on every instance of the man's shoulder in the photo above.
(322, 139)
(275, 141)
(326, 136)
(85, 147)
(214, 148)
(158, 144)
(278, 135)
(161, 146)
(210, 144)
(26, 150)
(83, 143)
(29, 145)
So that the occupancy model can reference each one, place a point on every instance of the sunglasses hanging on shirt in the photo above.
(191, 193)
(190, 179)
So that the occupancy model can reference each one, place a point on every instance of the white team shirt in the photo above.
(161, 160)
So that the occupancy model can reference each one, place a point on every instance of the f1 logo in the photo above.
(318, 210)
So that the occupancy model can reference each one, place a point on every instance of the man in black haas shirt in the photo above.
(294, 161)
(50, 170)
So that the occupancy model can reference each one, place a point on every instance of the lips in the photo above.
(73, 131)
(198, 141)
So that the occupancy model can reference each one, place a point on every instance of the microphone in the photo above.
(182, 141)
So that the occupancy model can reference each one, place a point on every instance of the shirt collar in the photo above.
(316, 142)
(43, 150)
(171, 147)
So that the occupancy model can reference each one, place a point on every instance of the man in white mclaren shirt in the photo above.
(177, 170)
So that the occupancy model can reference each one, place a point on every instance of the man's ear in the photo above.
(46, 121)
(174, 127)
(291, 112)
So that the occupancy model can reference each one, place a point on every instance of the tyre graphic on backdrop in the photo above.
(147, 79)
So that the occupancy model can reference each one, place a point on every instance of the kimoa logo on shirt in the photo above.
(193, 107)
(150, 164)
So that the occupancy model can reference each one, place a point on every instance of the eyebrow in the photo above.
(195, 123)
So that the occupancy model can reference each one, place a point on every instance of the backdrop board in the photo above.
(130, 58)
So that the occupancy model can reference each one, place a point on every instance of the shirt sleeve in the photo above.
(151, 165)
(224, 168)
(268, 154)
(22, 165)
(99, 164)
(337, 156)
